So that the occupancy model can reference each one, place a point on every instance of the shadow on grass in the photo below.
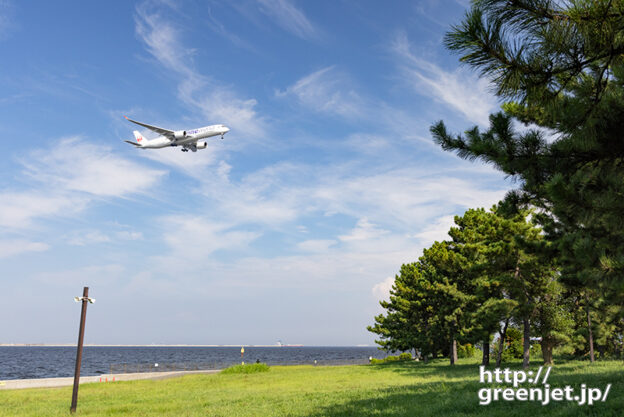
(449, 400)
(437, 368)
(455, 393)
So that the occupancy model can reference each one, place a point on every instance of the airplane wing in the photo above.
(165, 132)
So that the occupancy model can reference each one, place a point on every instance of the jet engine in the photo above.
(180, 134)
(201, 144)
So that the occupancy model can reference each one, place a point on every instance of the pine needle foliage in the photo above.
(560, 67)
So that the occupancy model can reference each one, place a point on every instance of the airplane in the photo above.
(187, 139)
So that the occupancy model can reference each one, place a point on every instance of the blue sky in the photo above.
(289, 229)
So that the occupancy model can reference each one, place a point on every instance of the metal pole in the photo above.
(83, 316)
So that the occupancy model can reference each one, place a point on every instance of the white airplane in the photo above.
(187, 139)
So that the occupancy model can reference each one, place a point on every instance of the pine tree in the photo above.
(559, 66)
(410, 321)
(427, 306)
(480, 237)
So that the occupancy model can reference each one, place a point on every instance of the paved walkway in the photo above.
(63, 382)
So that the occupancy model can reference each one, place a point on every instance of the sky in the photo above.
(292, 228)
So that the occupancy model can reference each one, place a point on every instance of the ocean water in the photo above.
(21, 362)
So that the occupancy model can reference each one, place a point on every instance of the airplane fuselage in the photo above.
(190, 137)
(186, 139)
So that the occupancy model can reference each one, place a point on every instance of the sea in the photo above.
(25, 362)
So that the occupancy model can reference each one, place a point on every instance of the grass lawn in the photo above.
(392, 390)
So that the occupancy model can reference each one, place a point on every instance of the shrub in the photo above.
(246, 369)
(513, 345)
(465, 351)
(405, 356)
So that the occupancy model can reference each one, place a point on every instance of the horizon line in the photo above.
(171, 345)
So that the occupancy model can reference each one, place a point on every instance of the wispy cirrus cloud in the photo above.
(459, 89)
(219, 28)
(7, 22)
(75, 165)
(316, 245)
(290, 18)
(20, 208)
(324, 91)
(215, 101)
(15, 247)
(94, 236)
(64, 179)
(406, 201)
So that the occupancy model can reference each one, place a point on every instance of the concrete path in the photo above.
(63, 382)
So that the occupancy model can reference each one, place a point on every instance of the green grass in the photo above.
(389, 390)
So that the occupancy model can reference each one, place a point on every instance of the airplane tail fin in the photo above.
(139, 137)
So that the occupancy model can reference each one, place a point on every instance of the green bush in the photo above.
(512, 347)
(466, 351)
(246, 369)
(405, 356)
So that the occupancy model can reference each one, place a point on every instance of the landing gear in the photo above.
(221, 136)
(184, 150)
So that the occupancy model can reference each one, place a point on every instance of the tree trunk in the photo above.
(547, 349)
(486, 352)
(591, 336)
(527, 343)
(453, 353)
(501, 343)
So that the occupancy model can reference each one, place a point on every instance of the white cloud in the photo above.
(289, 18)
(364, 230)
(437, 230)
(65, 178)
(197, 237)
(95, 275)
(83, 238)
(18, 209)
(324, 91)
(381, 290)
(403, 197)
(90, 237)
(407, 199)
(195, 165)
(460, 89)
(15, 247)
(213, 100)
(128, 235)
(316, 245)
(76, 165)
(268, 196)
